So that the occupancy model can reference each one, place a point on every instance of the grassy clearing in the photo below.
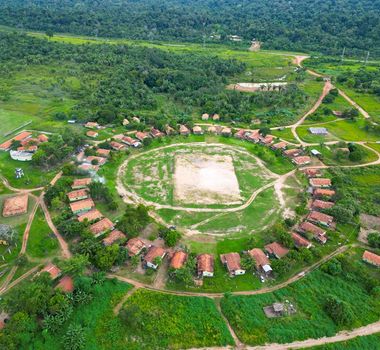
(42, 243)
(34, 177)
(246, 316)
(177, 322)
(8, 256)
(329, 153)
(285, 134)
(305, 135)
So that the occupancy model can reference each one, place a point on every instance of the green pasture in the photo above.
(171, 317)
(42, 242)
(246, 316)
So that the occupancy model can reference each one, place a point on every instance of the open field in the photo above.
(246, 316)
(42, 243)
(369, 342)
(180, 175)
(196, 317)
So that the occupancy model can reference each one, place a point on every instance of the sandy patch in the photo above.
(205, 179)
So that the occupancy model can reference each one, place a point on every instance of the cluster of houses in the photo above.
(27, 145)
(296, 155)
(94, 162)
(316, 222)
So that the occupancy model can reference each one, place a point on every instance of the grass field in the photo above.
(34, 177)
(329, 153)
(369, 342)
(42, 242)
(246, 316)
(178, 322)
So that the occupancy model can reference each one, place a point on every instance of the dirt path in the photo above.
(354, 104)
(293, 279)
(63, 244)
(118, 307)
(162, 275)
(28, 226)
(326, 89)
(20, 190)
(18, 280)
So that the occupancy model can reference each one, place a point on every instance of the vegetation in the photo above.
(197, 317)
(348, 294)
(311, 25)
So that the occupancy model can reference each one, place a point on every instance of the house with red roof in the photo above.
(205, 265)
(178, 259)
(232, 262)
(276, 250)
(371, 258)
(154, 253)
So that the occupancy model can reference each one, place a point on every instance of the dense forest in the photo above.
(115, 80)
(326, 26)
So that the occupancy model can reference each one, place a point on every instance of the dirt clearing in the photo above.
(205, 179)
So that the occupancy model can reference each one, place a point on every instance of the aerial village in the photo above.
(312, 230)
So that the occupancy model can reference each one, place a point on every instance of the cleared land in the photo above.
(203, 179)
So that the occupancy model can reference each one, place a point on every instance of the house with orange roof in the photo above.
(81, 183)
(322, 192)
(319, 182)
(91, 125)
(116, 146)
(101, 227)
(52, 270)
(141, 136)
(155, 133)
(261, 261)
(77, 195)
(82, 206)
(312, 172)
(92, 134)
(293, 152)
(91, 215)
(98, 160)
(205, 265)
(183, 130)
(317, 232)
(65, 284)
(232, 263)
(102, 152)
(300, 242)
(178, 259)
(135, 246)
(371, 258)
(113, 237)
(154, 253)
(276, 250)
(301, 160)
(320, 218)
(279, 145)
(320, 204)
(42, 138)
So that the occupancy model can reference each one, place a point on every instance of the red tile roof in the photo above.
(73, 195)
(52, 269)
(141, 135)
(259, 256)
(231, 260)
(82, 205)
(92, 134)
(319, 204)
(178, 260)
(16, 205)
(205, 263)
(280, 145)
(322, 192)
(116, 145)
(114, 236)
(309, 227)
(320, 182)
(103, 152)
(135, 246)
(22, 136)
(101, 160)
(301, 160)
(91, 215)
(276, 249)
(292, 152)
(42, 138)
(320, 217)
(371, 258)
(81, 182)
(300, 241)
(66, 284)
(91, 125)
(101, 227)
(312, 172)
(153, 253)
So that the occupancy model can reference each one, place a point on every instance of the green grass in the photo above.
(285, 134)
(164, 321)
(369, 342)
(34, 177)
(42, 242)
(102, 329)
(246, 316)
(329, 155)
(305, 135)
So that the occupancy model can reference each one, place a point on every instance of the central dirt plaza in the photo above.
(205, 179)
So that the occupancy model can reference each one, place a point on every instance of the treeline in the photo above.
(115, 80)
(324, 26)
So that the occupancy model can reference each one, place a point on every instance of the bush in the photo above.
(374, 239)
(340, 312)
